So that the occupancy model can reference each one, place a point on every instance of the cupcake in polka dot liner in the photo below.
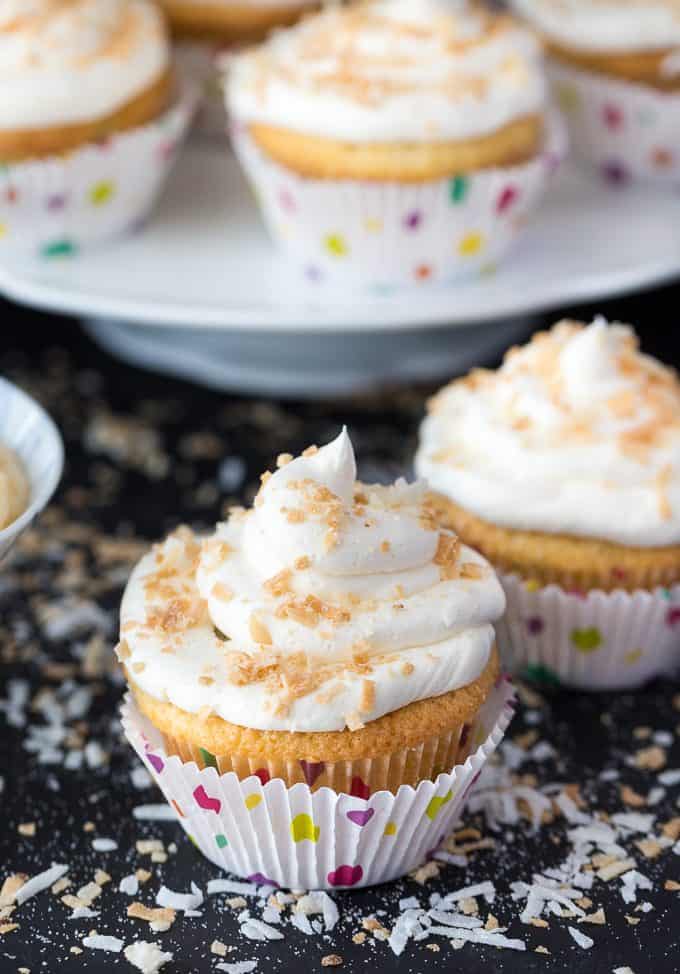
(395, 141)
(89, 122)
(616, 72)
(315, 687)
(563, 468)
(204, 31)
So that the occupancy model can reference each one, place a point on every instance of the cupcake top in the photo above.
(391, 71)
(63, 62)
(577, 433)
(325, 606)
(14, 488)
(606, 26)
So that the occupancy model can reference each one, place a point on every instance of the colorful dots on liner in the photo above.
(336, 245)
(471, 244)
(101, 193)
(586, 640)
(59, 248)
(303, 828)
(209, 760)
(436, 804)
(458, 188)
(537, 673)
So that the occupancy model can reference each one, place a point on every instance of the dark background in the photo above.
(129, 495)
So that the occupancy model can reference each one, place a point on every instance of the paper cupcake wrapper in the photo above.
(198, 61)
(593, 641)
(390, 233)
(303, 839)
(56, 206)
(629, 131)
(361, 777)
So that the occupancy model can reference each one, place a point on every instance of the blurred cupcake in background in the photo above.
(204, 31)
(616, 70)
(317, 683)
(89, 120)
(563, 468)
(396, 140)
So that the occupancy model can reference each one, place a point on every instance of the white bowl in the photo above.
(26, 428)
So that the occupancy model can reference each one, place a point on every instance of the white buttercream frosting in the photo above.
(577, 433)
(68, 62)
(341, 603)
(389, 71)
(606, 25)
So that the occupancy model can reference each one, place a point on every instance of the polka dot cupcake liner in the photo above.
(299, 838)
(56, 206)
(386, 234)
(628, 131)
(592, 641)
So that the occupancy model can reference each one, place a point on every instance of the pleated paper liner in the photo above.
(300, 838)
(628, 131)
(56, 206)
(405, 766)
(592, 641)
(386, 234)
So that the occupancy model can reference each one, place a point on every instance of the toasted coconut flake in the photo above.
(259, 631)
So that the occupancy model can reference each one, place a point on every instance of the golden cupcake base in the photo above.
(570, 562)
(640, 67)
(230, 23)
(413, 744)
(407, 162)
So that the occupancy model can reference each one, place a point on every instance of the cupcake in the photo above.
(563, 468)
(394, 141)
(617, 76)
(206, 30)
(324, 660)
(88, 123)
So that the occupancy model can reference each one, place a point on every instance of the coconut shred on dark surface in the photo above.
(567, 859)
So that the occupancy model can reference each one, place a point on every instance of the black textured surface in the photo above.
(171, 477)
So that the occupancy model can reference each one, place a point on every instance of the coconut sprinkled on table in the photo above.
(572, 841)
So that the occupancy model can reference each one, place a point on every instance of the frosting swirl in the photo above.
(340, 603)
(606, 25)
(577, 433)
(64, 63)
(391, 70)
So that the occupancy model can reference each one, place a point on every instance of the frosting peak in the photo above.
(391, 70)
(577, 433)
(339, 602)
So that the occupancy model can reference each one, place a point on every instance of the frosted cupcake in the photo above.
(616, 68)
(206, 30)
(563, 468)
(394, 140)
(330, 638)
(88, 122)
